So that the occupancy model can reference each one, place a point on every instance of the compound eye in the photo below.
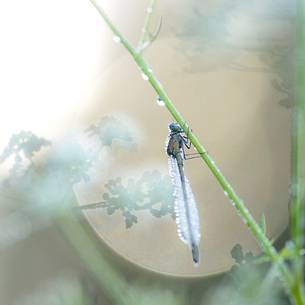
(174, 127)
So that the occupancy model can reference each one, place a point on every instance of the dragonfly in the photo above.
(187, 218)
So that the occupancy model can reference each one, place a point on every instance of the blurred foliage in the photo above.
(22, 146)
(63, 291)
(148, 293)
(109, 129)
(66, 163)
(24, 142)
(51, 180)
(42, 186)
(47, 183)
(248, 283)
(70, 161)
(152, 192)
(213, 41)
(239, 256)
(202, 25)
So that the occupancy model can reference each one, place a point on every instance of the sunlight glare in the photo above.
(51, 53)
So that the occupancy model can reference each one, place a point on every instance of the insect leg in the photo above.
(183, 151)
(194, 155)
(186, 139)
(187, 142)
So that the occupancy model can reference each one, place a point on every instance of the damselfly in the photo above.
(187, 218)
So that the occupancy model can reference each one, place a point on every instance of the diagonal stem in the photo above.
(114, 285)
(242, 210)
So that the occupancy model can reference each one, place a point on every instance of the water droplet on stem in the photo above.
(144, 76)
(116, 39)
(160, 102)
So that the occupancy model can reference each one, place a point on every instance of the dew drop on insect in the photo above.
(116, 39)
(144, 76)
(160, 102)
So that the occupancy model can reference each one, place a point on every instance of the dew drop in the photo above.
(144, 76)
(116, 39)
(160, 102)
(145, 45)
(149, 10)
(226, 193)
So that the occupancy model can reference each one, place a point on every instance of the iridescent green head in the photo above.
(174, 127)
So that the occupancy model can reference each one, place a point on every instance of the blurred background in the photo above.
(79, 125)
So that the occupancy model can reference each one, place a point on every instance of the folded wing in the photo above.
(187, 217)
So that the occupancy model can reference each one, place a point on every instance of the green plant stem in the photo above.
(109, 279)
(298, 134)
(113, 283)
(297, 210)
(228, 190)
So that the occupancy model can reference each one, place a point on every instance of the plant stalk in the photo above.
(244, 213)
(297, 200)
(109, 279)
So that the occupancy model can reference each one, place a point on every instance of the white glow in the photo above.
(51, 53)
